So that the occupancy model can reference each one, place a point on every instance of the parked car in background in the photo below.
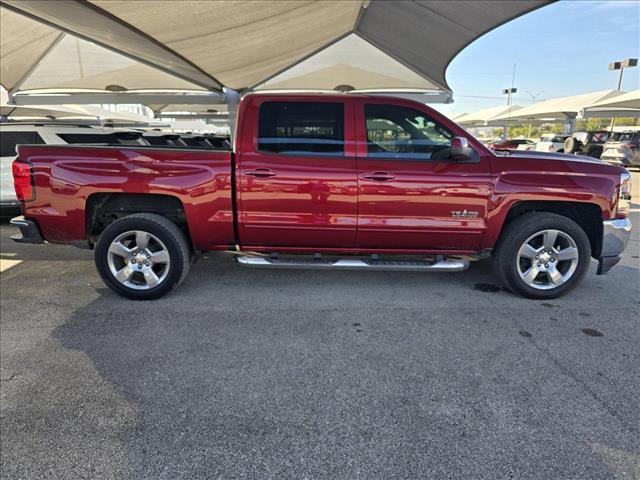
(13, 134)
(524, 147)
(314, 182)
(163, 139)
(219, 141)
(586, 143)
(510, 144)
(553, 142)
(623, 148)
(199, 141)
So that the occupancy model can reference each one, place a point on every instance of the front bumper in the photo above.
(29, 232)
(615, 235)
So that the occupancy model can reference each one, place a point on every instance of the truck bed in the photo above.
(68, 178)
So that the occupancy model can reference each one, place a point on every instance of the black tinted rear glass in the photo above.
(315, 128)
(116, 138)
(88, 138)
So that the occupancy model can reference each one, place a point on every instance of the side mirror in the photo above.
(460, 149)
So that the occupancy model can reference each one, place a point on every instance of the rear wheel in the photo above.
(142, 256)
(542, 255)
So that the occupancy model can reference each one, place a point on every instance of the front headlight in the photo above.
(625, 186)
(625, 194)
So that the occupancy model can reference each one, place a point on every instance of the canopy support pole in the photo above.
(232, 98)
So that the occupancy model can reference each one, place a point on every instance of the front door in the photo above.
(297, 174)
(411, 193)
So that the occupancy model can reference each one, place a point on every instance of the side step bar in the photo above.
(440, 265)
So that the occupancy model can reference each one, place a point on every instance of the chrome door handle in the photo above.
(379, 176)
(261, 173)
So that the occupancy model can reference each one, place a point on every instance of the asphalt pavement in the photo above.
(257, 374)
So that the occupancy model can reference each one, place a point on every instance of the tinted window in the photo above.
(156, 140)
(88, 138)
(301, 128)
(401, 132)
(599, 137)
(197, 142)
(9, 140)
(119, 138)
(627, 137)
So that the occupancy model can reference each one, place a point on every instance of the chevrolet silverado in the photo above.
(328, 181)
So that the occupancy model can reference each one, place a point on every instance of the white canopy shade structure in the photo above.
(558, 109)
(36, 56)
(159, 109)
(72, 112)
(623, 105)
(218, 118)
(487, 117)
(37, 111)
(238, 45)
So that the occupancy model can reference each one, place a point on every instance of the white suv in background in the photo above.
(13, 134)
(553, 142)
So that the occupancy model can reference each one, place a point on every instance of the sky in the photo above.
(559, 50)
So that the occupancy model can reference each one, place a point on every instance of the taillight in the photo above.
(23, 181)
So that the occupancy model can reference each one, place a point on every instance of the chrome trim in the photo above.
(445, 265)
(615, 235)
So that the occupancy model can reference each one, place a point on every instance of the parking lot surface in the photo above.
(262, 374)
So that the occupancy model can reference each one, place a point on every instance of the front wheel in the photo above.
(142, 256)
(542, 255)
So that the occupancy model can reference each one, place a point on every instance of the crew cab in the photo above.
(328, 181)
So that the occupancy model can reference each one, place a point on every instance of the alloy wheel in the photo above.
(547, 259)
(138, 260)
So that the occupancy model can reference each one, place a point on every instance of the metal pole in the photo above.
(613, 119)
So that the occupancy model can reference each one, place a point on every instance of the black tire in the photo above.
(570, 145)
(513, 237)
(164, 230)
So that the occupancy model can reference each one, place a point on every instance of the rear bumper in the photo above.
(29, 232)
(9, 209)
(615, 236)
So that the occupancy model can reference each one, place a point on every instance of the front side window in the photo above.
(9, 141)
(599, 137)
(404, 133)
(302, 128)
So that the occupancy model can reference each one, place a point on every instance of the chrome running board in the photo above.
(438, 265)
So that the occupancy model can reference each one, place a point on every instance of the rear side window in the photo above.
(88, 138)
(156, 140)
(9, 141)
(303, 128)
(120, 138)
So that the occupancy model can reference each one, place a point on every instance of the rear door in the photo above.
(411, 193)
(296, 173)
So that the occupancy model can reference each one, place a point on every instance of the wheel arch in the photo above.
(102, 209)
(587, 215)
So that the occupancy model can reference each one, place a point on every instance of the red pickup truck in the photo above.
(328, 181)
